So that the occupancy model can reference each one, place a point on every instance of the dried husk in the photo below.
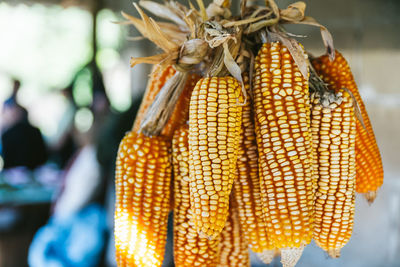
(161, 109)
(212, 37)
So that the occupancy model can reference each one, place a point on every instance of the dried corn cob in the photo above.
(233, 247)
(282, 120)
(247, 184)
(334, 135)
(268, 255)
(189, 248)
(143, 175)
(214, 131)
(157, 80)
(368, 159)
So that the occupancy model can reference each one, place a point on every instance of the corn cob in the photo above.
(247, 185)
(214, 130)
(369, 168)
(334, 135)
(143, 175)
(157, 80)
(189, 248)
(234, 250)
(268, 256)
(282, 121)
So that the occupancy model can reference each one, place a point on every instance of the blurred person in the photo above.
(63, 144)
(76, 232)
(15, 89)
(22, 143)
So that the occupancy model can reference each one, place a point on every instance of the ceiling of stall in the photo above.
(367, 24)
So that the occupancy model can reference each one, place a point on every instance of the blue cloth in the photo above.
(73, 242)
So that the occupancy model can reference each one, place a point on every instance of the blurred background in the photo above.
(68, 95)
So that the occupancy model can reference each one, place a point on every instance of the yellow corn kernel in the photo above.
(142, 182)
(247, 185)
(334, 137)
(284, 140)
(369, 168)
(189, 248)
(234, 250)
(214, 129)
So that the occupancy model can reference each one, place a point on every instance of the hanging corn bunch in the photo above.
(266, 148)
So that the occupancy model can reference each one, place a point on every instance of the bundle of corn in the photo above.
(263, 149)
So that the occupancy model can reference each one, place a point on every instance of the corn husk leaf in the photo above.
(163, 11)
(357, 110)
(294, 12)
(151, 30)
(297, 52)
(274, 7)
(219, 8)
(193, 51)
(163, 105)
(245, 21)
(325, 34)
(234, 70)
(162, 59)
(203, 11)
(173, 32)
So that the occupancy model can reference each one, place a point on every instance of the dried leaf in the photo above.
(234, 70)
(193, 51)
(217, 35)
(261, 24)
(135, 38)
(162, 11)
(161, 109)
(217, 8)
(325, 34)
(173, 32)
(203, 11)
(294, 12)
(357, 110)
(274, 7)
(295, 49)
(152, 31)
(245, 21)
(170, 58)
